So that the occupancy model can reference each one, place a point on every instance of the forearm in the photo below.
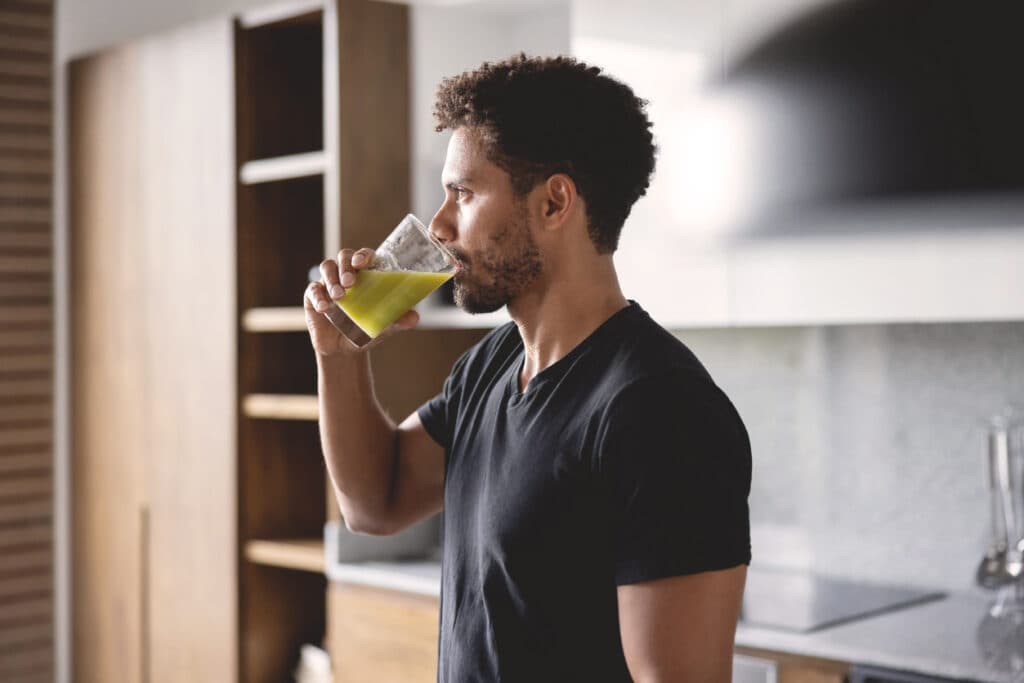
(358, 440)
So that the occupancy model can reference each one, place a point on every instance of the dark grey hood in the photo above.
(911, 109)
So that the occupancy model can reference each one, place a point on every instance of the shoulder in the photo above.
(644, 360)
(654, 378)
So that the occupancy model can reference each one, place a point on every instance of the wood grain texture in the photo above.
(34, 558)
(282, 609)
(373, 85)
(304, 554)
(107, 367)
(152, 211)
(281, 407)
(282, 319)
(381, 636)
(279, 102)
(26, 345)
(798, 669)
(29, 633)
(187, 210)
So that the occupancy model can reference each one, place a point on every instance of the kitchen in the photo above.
(866, 361)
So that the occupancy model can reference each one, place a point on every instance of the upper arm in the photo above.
(417, 487)
(682, 628)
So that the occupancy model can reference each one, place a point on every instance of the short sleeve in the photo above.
(438, 414)
(674, 466)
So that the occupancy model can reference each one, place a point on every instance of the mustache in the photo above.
(460, 256)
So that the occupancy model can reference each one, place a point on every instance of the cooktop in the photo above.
(803, 602)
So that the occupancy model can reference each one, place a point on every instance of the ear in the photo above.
(558, 201)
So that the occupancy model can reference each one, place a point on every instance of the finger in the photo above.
(331, 279)
(316, 297)
(362, 258)
(409, 320)
(347, 276)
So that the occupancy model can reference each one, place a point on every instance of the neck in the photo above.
(559, 313)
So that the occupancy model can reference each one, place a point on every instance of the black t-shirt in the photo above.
(621, 462)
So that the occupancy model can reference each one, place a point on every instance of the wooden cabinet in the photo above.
(385, 636)
(153, 468)
(789, 668)
(211, 167)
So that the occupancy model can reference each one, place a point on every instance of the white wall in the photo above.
(449, 40)
(85, 26)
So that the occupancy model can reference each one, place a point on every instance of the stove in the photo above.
(803, 602)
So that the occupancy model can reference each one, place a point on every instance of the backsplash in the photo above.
(868, 442)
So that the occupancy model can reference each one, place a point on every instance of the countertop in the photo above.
(937, 638)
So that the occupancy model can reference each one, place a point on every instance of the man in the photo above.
(593, 478)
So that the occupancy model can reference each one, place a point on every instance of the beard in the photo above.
(497, 275)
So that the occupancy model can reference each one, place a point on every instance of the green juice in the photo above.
(379, 298)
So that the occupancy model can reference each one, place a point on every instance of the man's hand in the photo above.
(336, 277)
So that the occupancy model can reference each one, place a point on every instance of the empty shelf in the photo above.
(281, 406)
(303, 553)
(283, 168)
(287, 319)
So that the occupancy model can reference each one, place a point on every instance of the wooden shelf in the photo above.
(296, 11)
(283, 168)
(287, 319)
(432, 317)
(306, 554)
(435, 317)
(281, 406)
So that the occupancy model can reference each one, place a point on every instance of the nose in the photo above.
(442, 226)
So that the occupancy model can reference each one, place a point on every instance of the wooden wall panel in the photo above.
(108, 441)
(187, 302)
(26, 342)
(154, 405)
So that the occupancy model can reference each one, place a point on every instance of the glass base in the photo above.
(352, 332)
(1000, 634)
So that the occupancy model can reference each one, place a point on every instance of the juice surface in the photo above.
(379, 298)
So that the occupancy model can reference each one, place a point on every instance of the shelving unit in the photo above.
(280, 190)
(283, 319)
(322, 95)
(432, 317)
(303, 554)
(283, 168)
(281, 407)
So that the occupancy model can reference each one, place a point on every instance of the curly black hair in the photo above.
(538, 116)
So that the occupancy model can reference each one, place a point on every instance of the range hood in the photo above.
(876, 114)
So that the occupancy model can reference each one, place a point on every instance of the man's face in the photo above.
(486, 226)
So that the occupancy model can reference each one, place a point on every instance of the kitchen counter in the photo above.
(935, 638)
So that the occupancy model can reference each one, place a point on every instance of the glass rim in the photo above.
(449, 256)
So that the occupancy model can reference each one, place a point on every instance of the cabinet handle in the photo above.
(144, 676)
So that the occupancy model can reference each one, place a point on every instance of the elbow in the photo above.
(367, 526)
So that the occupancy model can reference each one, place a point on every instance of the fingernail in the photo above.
(337, 292)
(357, 259)
(348, 279)
(321, 305)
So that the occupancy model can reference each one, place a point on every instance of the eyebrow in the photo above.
(451, 184)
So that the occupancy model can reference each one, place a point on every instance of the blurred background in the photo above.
(835, 228)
